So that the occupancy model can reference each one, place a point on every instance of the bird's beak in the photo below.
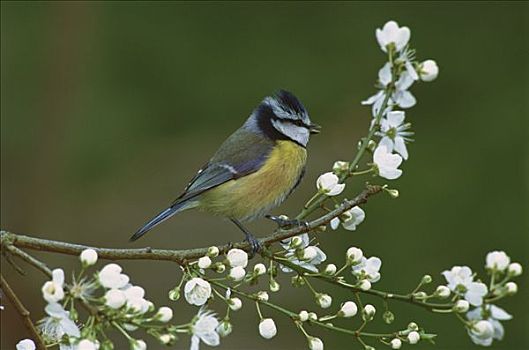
(314, 128)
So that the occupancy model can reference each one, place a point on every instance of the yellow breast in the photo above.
(256, 194)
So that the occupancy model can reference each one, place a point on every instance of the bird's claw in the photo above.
(254, 244)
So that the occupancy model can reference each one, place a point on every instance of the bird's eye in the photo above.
(299, 123)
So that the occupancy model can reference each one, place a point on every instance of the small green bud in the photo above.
(426, 279)
(218, 267)
(412, 326)
(213, 252)
(106, 345)
(298, 281)
(371, 145)
(388, 317)
(274, 286)
(174, 294)
(225, 328)
(420, 295)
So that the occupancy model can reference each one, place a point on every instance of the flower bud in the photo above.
(174, 294)
(138, 344)
(354, 255)
(167, 339)
(483, 329)
(262, 296)
(388, 317)
(237, 257)
(330, 269)
(412, 326)
(420, 295)
(348, 309)
(497, 260)
(224, 328)
(428, 70)
(235, 303)
(204, 262)
(369, 312)
(365, 285)
(296, 242)
(371, 145)
(303, 315)
(213, 252)
(267, 328)
(515, 269)
(274, 286)
(315, 343)
(396, 343)
(340, 167)
(298, 281)
(414, 337)
(313, 316)
(442, 292)
(393, 193)
(426, 279)
(323, 300)
(237, 273)
(164, 314)
(88, 257)
(219, 267)
(259, 269)
(309, 253)
(461, 306)
(511, 288)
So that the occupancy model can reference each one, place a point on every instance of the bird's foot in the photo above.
(284, 222)
(254, 244)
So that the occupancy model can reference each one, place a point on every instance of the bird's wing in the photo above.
(241, 154)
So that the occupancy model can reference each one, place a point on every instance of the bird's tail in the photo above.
(158, 219)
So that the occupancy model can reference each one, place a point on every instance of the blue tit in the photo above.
(254, 170)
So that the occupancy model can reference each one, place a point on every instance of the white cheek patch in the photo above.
(294, 132)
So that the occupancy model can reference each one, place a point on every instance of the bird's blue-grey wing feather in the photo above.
(243, 153)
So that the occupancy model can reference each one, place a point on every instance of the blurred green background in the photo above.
(108, 109)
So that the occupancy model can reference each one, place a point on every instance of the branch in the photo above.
(179, 256)
(24, 313)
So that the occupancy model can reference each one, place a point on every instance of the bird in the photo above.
(253, 171)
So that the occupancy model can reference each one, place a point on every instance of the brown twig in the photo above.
(179, 256)
(24, 313)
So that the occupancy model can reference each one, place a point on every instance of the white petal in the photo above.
(336, 190)
(499, 314)
(58, 276)
(395, 118)
(334, 223)
(405, 81)
(195, 341)
(211, 338)
(384, 74)
(390, 174)
(400, 147)
(402, 38)
(411, 71)
(405, 99)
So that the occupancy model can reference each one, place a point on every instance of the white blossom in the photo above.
(197, 291)
(354, 255)
(58, 323)
(475, 293)
(135, 300)
(303, 243)
(237, 257)
(396, 343)
(315, 343)
(26, 344)
(110, 276)
(115, 298)
(391, 33)
(329, 185)
(237, 273)
(515, 269)
(164, 314)
(205, 329)
(348, 309)
(481, 334)
(52, 291)
(204, 262)
(386, 162)
(459, 277)
(267, 328)
(414, 337)
(88, 257)
(394, 132)
(324, 300)
(350, 219)
(428, 70)
(368, 269)
(497, 260)
(235, 303)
